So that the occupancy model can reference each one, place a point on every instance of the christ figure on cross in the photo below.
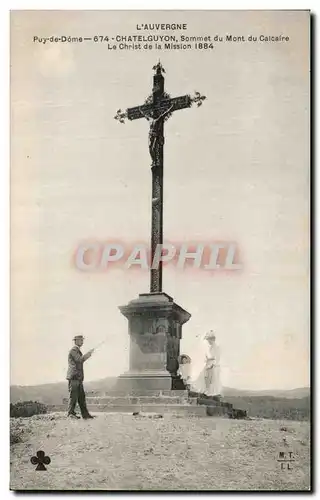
(155, 135)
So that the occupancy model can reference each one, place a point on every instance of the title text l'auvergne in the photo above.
(161, 27)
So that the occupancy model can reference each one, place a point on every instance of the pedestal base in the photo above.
(155, 329)
(153, 380)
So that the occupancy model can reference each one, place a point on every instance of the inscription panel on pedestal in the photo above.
(148, 352)
(154, 361)
(141, 325)
(152, 343)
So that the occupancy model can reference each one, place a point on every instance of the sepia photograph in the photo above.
(160, 250)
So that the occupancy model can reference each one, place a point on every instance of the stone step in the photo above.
(151, 408)
(137, 393)
(196, 410)
(138, 400)
(190, 410)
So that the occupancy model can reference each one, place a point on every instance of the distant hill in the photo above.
(300, 392)
(55, 392)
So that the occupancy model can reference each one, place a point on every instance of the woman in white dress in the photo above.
(208, 381)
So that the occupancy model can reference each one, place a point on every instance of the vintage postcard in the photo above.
(160, 271)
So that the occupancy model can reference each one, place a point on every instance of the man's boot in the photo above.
(73, 415)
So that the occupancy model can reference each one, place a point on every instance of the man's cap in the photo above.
(78, 337)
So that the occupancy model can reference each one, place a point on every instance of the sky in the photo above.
(235, 169)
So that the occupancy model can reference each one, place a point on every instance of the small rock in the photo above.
(149, 450)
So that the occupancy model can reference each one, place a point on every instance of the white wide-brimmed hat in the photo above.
(210, 335)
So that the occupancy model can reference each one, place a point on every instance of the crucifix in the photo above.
(157, 108)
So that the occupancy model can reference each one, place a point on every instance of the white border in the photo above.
(5, 6)
(161, 5)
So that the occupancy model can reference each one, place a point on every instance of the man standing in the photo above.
(75, 379)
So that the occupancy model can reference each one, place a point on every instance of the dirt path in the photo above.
(119, 451)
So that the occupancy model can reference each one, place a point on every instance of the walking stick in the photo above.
(100, 343)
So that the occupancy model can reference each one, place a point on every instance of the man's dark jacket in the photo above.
(75, 364)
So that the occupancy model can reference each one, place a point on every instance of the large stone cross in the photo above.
(157, 108)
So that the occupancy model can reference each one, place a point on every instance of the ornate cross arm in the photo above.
(198, 98)
(172, 104)
(167, 112)
(163, 115)
(121, 115)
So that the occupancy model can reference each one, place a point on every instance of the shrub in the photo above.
(27, 409)
(15, 436)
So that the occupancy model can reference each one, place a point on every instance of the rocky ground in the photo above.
(125, 452)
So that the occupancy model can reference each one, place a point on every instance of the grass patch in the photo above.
(27, 409)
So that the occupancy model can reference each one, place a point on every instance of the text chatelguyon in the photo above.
(100, 256)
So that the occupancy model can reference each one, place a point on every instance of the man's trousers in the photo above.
(77, 395)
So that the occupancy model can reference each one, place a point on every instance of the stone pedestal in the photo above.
(155, 329)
